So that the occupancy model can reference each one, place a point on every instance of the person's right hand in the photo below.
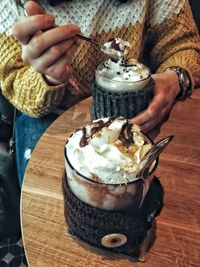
(48, 49)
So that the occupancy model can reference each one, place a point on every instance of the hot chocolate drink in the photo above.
(102, 161)
(122, 87)
(106, 204)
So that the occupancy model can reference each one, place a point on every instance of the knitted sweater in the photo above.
(162, 34)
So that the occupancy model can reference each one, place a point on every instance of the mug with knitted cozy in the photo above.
(106, 205)
(121, 88)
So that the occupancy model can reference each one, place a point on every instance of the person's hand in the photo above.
(48, 49)
(166, 89)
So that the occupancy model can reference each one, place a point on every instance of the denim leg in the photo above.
(27, 133)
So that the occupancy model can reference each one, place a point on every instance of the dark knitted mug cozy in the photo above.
(114, 103)
(91, 224)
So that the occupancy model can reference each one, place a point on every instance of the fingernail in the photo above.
(78, 41)
(49, 18)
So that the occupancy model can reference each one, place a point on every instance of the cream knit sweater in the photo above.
(162, 34)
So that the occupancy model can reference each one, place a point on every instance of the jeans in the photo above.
(28, 131)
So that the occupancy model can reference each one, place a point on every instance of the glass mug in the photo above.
(109, 196)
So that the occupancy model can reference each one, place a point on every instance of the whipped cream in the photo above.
(108, 150)
(116, 48)
(123, 70)
(118, 73)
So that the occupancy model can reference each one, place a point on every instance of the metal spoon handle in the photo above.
(87, 39)
(153, 153)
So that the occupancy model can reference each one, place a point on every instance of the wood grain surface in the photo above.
(178, 227)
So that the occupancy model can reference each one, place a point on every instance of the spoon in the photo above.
(115, 54)
(90, 40)
(151, 155)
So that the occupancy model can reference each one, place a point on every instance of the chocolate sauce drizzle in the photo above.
(125, 136)
(83, 141)
(100, 124)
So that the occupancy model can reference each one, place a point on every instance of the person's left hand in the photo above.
(166, 89)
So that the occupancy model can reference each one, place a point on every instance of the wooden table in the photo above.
(178, 227)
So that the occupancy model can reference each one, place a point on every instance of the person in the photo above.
(44, 68)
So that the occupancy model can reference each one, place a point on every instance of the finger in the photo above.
(60, 70)
(70, 51)
(32, 8)
(149, 125)
(40, 42)
(51, 55)
(151, 112)
(161, 117)
(26, 28)
(66, 77)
